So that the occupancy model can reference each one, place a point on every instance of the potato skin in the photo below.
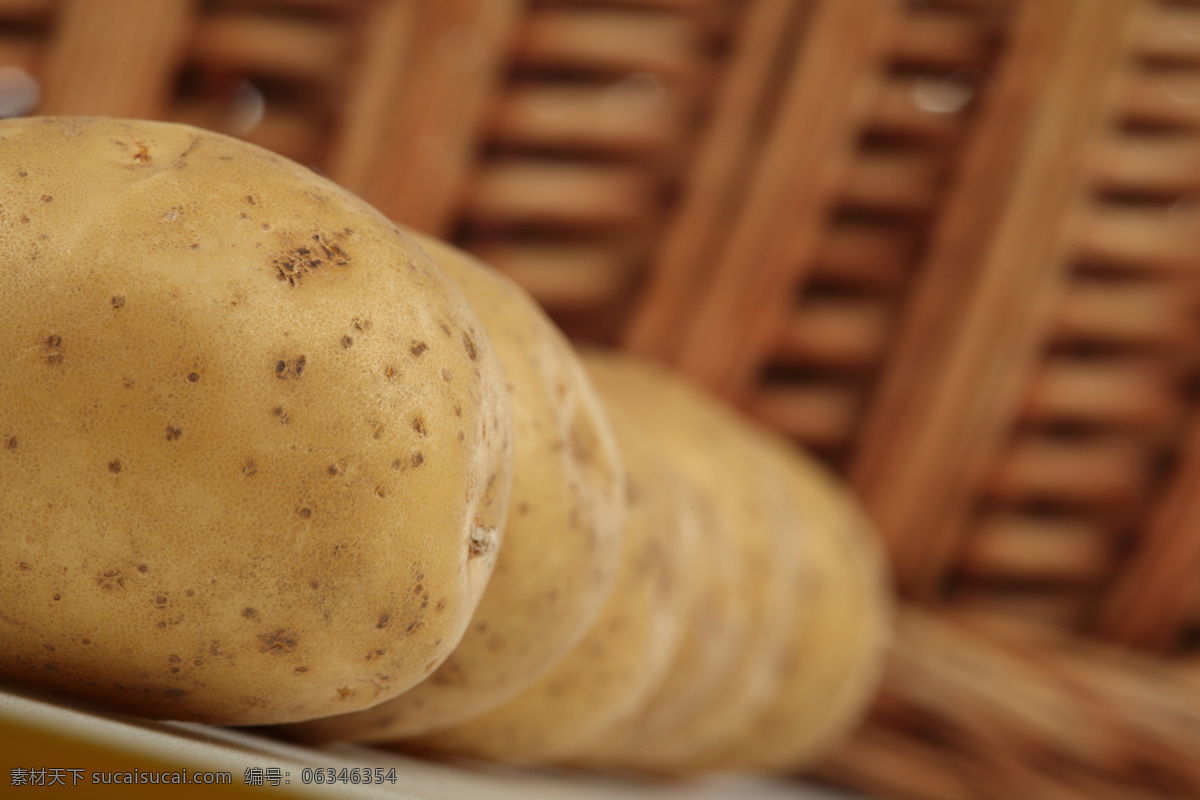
(256, 448)
(626, 654)
(713, 447)
(563, 539)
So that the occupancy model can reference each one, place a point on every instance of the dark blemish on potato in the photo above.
(446, 376)
(337, 549)
(278, 411)
(378, 432)
(277, 642)
(193, 377)
(196, 662)
(249, 613)
(300, 670)
(461, 436)
(470, 346)
(173, 670)
(127, 383)
(52, 666)
(250, 199)
(25, 566)
(173, 433)
(194, 246)
(418, 348)
(418, 589)
(457, 410)
(380, 492)
(189, 593)
(314, 585)
(143, 568)
(280, 368)
(360, 324)
(161, 625)
(214, 649)
(114, 466)
(266, 226)
(24, 219)
(22, 174)
(304, 513)
(53, 347)
(347, 342)
(243, 215)
(161, 600)
(174, 659)
(389, 373)
(46, 198)
(522, 507)
(285, 369)
(57, 597)
(413, 627)
(445, 328)
(249, 468)
(482, 541)
(418, 425)
(11, 443)
(384, 620)
(344, 693)
(117, 301)
(332, 470)
(418, 459)
(441, 605)
(85, 641)
(174, 694)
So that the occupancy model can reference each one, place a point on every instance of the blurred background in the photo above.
(950, 246)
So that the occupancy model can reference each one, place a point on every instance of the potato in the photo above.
(625, 655)
(562, 541)
(711, 445)
(255, 448)
(835, 659)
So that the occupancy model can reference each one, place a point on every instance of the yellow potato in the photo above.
(835, 659)
(255, 448)
(562, 541)
(626, 654)
(712, 446)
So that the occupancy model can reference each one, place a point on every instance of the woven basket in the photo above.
(950, 245)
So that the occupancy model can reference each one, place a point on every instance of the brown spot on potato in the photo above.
(360, 324)
(385, 619)
(413, 627)
(250, 199)
(173, 658)
(117, 301)
(418, 425)
(418, 459)
(173, 433)
(143, 568)
(193, 377)
(304, 513)
(278, 642)
(161, 625)
(249, 468)
(347, 342)
(446, 375)
(160, 600)
(469, 344)
(85, 641)
(380, 492)
(11, 443)
(114, 466)
(175, 694)
(300, 670)
(344, 693)
(46, 198)
(418, 348)
(57, 597)
(314, 585)
(441, 605)
(249, 613)
(332, 470)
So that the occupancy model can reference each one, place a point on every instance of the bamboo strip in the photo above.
(902, 110)
(904, 182)
(1171, 32)
(572, 276)
(435, 121)
(867, 257)
(1060, 607)
(990, 284)
(1150, 599)
(256, 43)
(778, 228)
(637, 118)
(837, 334)
(820, 415)
(527, 192)
(1037, 714)
(1141, 240)
(288, 131)
(684, 260)
(114, 60)
(940, 41)
(1096, 473)
(1138, 314)
(359, 142)
(609, 42)
(1007, 547)
(1114, 394)
(1163, 165)
(27, 10)
(1163, 99)
(22, 54)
